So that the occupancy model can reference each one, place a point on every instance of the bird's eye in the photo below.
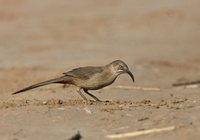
(120, 67)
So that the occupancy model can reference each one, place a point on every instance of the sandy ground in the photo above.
(159, 40)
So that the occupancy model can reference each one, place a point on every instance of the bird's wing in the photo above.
(84, 72)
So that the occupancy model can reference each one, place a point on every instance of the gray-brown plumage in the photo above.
(88, 78)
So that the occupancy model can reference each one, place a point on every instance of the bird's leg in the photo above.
(86, 91)
(79, 91)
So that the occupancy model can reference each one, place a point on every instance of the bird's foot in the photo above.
(97, 100)
(92, 102)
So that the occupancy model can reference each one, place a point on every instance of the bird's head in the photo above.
(119, 67)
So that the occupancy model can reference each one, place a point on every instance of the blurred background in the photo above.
(158, 39)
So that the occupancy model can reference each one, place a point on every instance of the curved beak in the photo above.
(131, 75)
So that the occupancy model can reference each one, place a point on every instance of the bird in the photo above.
(88, 78)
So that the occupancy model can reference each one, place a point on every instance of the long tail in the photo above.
(56, 80)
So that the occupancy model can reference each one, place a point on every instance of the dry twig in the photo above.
(136, 88)
(186, 83)
(139, 133)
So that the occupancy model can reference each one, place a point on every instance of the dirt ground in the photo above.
(159, 40)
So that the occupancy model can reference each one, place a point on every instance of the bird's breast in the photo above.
(98, 81)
